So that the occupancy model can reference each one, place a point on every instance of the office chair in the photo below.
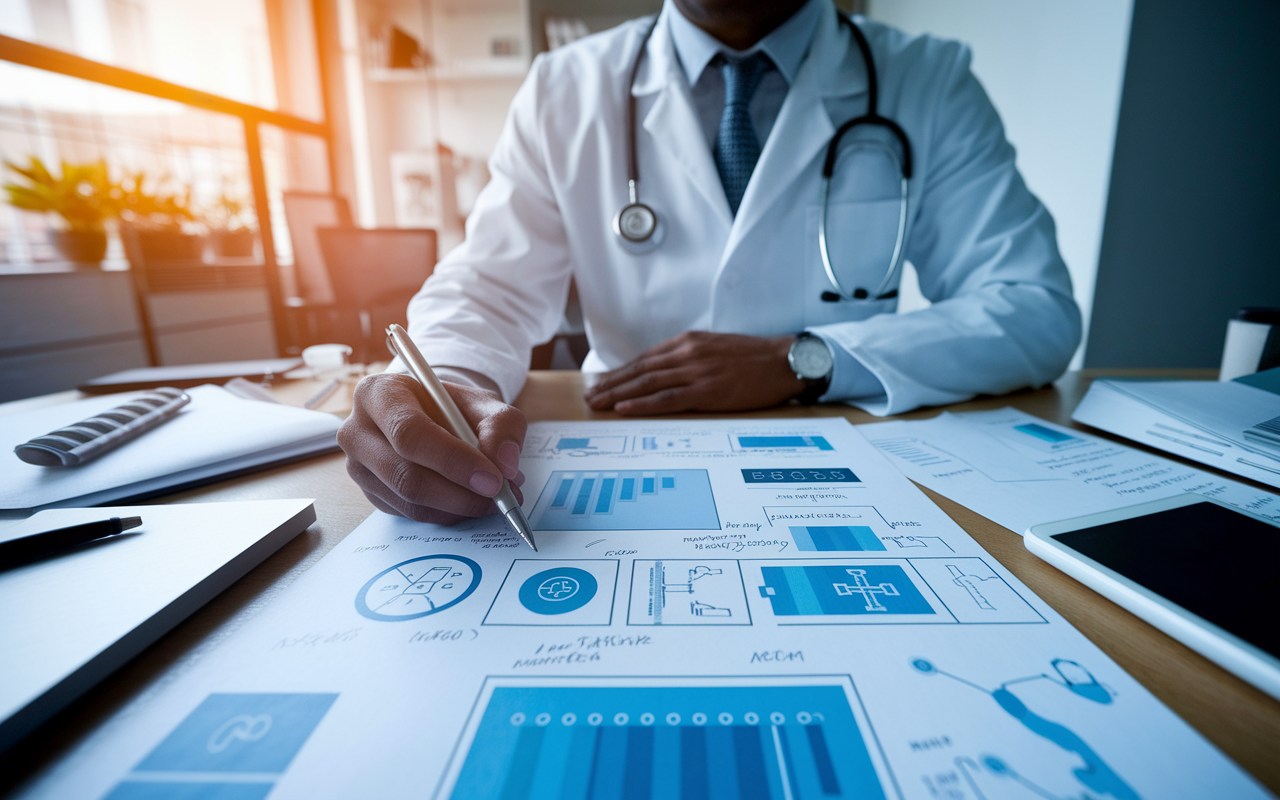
(375, 272)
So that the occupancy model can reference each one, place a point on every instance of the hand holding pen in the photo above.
(412, 465)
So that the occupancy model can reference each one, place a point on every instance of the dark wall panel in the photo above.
(1192, 228)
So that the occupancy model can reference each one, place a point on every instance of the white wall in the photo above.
(1054, 70)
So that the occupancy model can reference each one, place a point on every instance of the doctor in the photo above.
(674, 167)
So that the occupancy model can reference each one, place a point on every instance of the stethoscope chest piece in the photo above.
(635, 223)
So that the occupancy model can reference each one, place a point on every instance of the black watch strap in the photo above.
(813, 390)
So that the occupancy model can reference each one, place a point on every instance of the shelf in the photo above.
(479, 69)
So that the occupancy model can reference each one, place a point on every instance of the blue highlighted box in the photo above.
(835, 538)
(831, 590)
(646, 743)
(1044, 433)
(246, 737)
(678, 499)
(783, 442)
(799, 475)
(573, 443)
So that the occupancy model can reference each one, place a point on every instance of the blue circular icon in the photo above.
(558, 591)
(418, 587)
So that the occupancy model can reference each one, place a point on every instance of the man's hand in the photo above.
(701, 371)
(410, 465)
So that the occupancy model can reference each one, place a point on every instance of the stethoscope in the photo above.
(636, 223)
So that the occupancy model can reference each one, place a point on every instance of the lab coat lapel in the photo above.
(803, 128)
(673, 124)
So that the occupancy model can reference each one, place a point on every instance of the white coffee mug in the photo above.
(1253, 343)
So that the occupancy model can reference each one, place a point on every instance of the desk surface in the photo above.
(1239, 719)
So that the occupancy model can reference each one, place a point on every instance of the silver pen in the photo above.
(399, 343)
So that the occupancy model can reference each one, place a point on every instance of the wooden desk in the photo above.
(1239, 719)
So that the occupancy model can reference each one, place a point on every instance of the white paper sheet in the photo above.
(1046, 472)
(217, 433)
(706, 655)
(1200, 420)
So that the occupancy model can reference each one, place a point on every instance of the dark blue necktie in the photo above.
(737, 149)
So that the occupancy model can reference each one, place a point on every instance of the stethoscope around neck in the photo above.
(636, 223)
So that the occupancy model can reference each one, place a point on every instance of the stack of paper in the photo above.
(1019, 470)
(1206, 421)
(217, 434)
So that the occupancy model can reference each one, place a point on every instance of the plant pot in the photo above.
(151, 246)
(232, 244)
(82, 247)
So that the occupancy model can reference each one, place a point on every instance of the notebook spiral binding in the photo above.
(86, 440)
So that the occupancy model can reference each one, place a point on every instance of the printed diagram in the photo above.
(617, 739)
(418, 587)
(843, 590)
(990, 776)
(538, 592)
(626, 500)
(925, 542)
(973, 592)
(971, 584)
(687, 593)
(585, 445)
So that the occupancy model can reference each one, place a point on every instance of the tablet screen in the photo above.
(1215, 563)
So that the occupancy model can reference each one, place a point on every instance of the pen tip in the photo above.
(129, 522)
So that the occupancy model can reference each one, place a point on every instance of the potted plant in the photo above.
(231, 228)
(83, 196)
(158, 225)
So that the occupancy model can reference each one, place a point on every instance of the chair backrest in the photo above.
(375, 273)
(306, 212)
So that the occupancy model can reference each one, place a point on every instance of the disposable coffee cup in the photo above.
(1253, 343)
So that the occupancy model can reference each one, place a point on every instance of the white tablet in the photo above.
(1205, 573)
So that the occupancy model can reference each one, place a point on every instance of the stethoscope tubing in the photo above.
(870, 118)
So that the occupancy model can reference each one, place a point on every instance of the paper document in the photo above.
(216, 434)
(1215, 423)
(70, 620)
(1019, 470)
(743, 609)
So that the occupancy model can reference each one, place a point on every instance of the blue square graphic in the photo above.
(240, 733)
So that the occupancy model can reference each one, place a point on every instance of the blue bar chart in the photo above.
(678, 499)
(768, 742)
(835, 538)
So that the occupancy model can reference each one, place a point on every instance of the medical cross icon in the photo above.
(868, 592)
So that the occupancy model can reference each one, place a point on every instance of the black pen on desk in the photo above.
(24, 550)
(400, 344)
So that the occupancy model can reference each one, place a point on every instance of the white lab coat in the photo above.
(984, 247)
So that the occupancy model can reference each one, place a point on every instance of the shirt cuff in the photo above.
(456, 375)
(849, 377)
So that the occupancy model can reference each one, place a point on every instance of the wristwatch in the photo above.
(811, 360)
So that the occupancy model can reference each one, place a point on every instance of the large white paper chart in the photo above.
(747, 609)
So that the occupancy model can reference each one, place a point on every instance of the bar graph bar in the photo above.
(1044, 433)
(770, 742)
(835, 538)
(783, 443)
(679, 499)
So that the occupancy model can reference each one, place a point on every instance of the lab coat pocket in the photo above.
(860, 239)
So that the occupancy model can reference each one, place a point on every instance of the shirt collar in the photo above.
(786, 45)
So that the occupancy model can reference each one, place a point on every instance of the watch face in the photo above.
(810, 358)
